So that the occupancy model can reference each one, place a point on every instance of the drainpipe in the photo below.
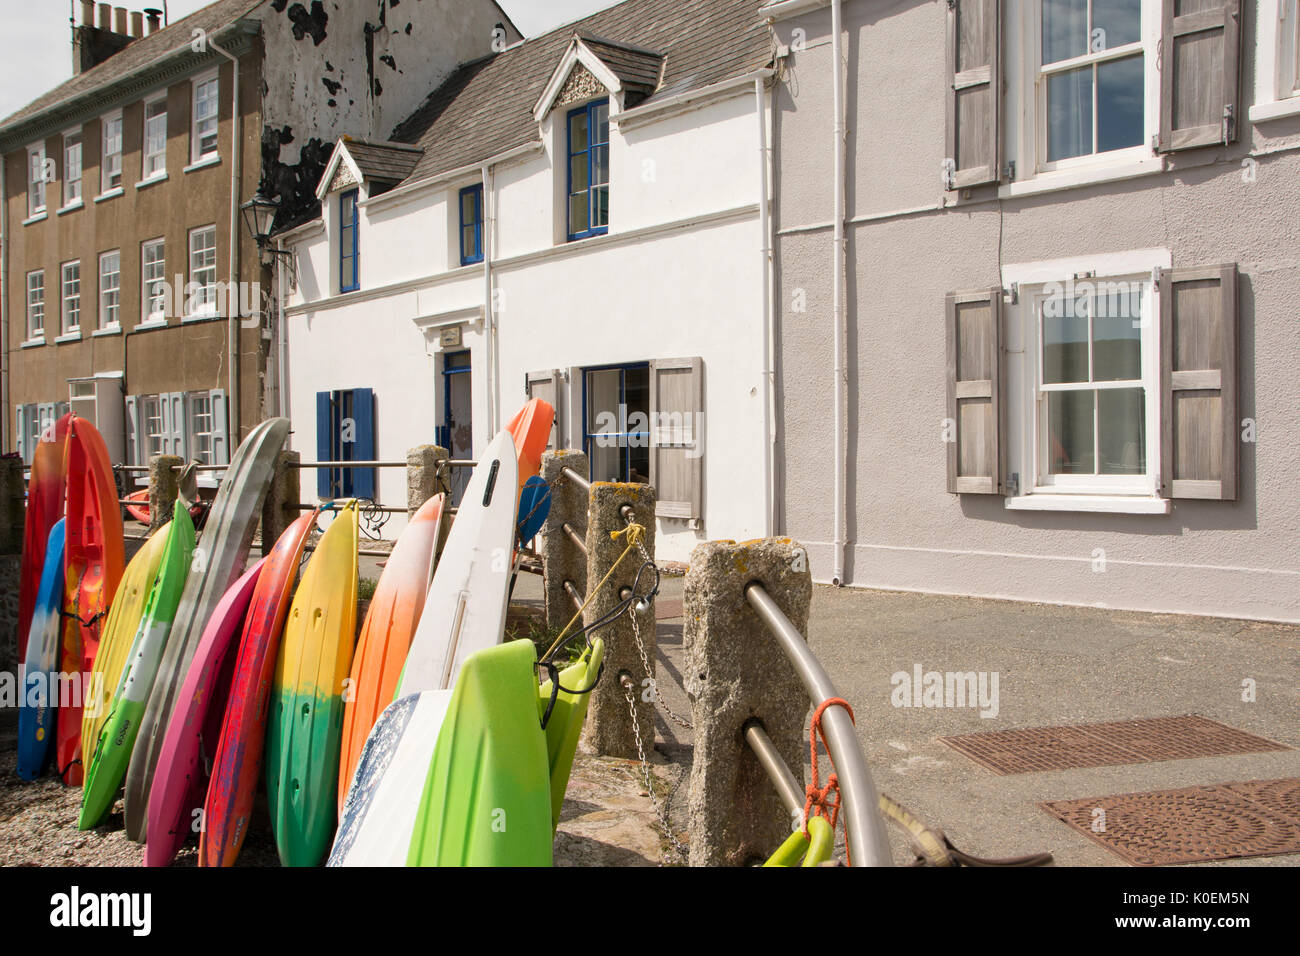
(5, 292)
(489, 313)
(281, 330)
(837, 297)
(232, 288)
(769, 319)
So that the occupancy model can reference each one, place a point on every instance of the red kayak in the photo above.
(237, 769)
(180, 781)
(139, 507)
(531, 429)
(93, 564)
(44, 508)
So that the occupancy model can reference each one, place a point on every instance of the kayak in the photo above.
(237, 767)
(93, 559)
(117, 738)
(465, 609)
(306, 721)
(568, 713)
(119, 636)
(39, 684)
(386, 633)
(180, 782)
(531, 429)
(487, 795)
(139, 507)
(219, 560)
(45, 490)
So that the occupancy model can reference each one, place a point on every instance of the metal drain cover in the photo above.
(1036, 749)
(1191, 825)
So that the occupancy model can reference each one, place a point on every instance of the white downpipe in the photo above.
(769, 324)
(837, 296)
(489, 313)
(282, 328)
(232, 290)
(5, 444)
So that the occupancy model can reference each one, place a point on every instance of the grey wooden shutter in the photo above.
(974, 140)
(1198, 381)
(577, 414)
(975, 408)
(546, 386)
(220, 436)
(134, 442)
(20, 427)
(172, 405)
(676, 436)
(1199, 85)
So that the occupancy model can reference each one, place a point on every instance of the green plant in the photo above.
(366, 589)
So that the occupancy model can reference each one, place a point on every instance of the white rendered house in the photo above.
(580, 217)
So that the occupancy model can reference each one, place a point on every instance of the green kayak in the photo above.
(564, 726)
(487, 796)
(117, 737)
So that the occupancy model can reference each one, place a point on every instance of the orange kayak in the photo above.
(531, 428)
(44, 509)
(93, 563)
(386, 634)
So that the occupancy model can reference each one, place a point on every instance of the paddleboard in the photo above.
(39, 684)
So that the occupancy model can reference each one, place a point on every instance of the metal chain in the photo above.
(654, 683)
(661, 810)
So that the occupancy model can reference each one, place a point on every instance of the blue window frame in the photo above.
(345, 431)
(588, 172)
(349, 276)
(471, 225)
(617, 396)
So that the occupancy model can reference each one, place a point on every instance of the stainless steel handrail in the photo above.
(787, 787)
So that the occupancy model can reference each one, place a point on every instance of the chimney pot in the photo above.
(88, 13)
(105, 17)
(137, 23)
(155, 18)
(119, 21)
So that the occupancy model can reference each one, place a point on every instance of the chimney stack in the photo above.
(103, 32)
(137, 24)
(155, 18)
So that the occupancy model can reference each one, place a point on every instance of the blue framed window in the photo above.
(349, 277)
(471, 225)
(616, 421)
(345, 431)
(588, 173)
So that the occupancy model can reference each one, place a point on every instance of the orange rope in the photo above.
(817, 798)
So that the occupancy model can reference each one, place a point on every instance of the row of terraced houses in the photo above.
(978, 297)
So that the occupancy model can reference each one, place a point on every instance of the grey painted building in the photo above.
(1063, 363)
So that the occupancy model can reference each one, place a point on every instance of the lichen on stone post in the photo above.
(609, 723)
(280, 508)
(425, 477)
(561, 559)
(164, 486)
(734, 670)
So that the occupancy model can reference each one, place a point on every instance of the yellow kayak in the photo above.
(117, 637)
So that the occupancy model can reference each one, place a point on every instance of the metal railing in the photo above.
(864, 830)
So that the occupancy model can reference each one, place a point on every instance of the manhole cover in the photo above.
(1191, 825)
(1035, 749)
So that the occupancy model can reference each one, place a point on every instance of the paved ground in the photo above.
(1055, 665)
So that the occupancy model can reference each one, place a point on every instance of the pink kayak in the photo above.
(180, 782)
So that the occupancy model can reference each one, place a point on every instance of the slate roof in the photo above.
(382, 161)
(486, 107)
(136, 54)
(638, 70)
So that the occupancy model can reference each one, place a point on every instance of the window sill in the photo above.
(1262, 112)
(144, 325)
(1107, 504)
(69, 337)
(202, 164)
(200, 317)
(32, 343)
(151, 180)
(71, 207)
(37, 217)
(111, 330)
(1081, 176)
(109, 194)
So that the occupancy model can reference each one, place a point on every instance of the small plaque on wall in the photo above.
(450, 338)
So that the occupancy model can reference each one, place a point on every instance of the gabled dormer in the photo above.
(592, 68)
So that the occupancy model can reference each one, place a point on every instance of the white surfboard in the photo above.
(465, 610)
(378, 816)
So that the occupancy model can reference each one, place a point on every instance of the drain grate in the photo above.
(1191, 825)
(1036, 749)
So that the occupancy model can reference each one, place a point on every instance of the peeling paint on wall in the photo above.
(311, 24)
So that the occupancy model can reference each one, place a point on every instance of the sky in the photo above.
(36, 44)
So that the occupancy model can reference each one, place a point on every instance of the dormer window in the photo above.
(588, 151)
(349, 278)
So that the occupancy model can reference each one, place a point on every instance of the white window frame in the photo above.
(196, 133)
(72, 185)
(37, 185)
(110, 307)
(1026, 107)
(70, 297)
(151, 442)
(35, 305)
(110, 163)
(1277, 60)
(194, 401)
(207, 305)
(157, 158)
(1036, 489)
(159, 266)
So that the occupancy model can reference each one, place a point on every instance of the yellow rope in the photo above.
(635, 534)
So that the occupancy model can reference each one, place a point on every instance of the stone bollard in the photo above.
(561, 559)
(164, 486)
(280, 507)
(424, 477)
(609, 724)
(13, 515)
(734, 670)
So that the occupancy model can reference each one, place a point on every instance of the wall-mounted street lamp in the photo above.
(259, 217)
